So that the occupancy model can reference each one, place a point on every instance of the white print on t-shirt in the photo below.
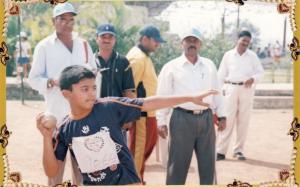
(99, 178)
(85, 129)
(118, 147)
(95, 152)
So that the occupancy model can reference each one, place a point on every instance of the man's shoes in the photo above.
(239, 156)
(220, 156)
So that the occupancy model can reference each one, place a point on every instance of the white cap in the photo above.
(192, 32)
(62, 8)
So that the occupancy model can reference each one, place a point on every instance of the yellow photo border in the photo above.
(287, 177)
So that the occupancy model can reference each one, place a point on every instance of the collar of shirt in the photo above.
(142, 48)
(184, 61)
(104, 63)
(238, 54)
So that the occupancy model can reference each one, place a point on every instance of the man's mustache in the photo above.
(192, 47)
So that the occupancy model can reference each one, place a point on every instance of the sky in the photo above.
(206, 15)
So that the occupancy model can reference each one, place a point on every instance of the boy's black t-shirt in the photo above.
(97, 143)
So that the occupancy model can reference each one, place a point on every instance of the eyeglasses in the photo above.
(64, 20)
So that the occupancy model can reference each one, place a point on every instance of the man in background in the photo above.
(116, 75)
(61, 49)
(239, 71)
(143, 135)
(191, 126)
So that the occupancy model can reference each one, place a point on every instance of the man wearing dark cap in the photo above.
(116, 74)
(143, 135)
(59, 50)
(239, 71)
(191, 126)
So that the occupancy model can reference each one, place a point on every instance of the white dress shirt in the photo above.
(239, 68)
(50, 57)
(181, 77)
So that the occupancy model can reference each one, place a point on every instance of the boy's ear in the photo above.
(66, 93)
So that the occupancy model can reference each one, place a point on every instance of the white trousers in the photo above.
(238, 103)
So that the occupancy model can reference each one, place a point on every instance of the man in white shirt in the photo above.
(51, 55)
(191, 126)
(239, 70)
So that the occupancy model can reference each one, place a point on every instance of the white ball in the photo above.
(49, 120)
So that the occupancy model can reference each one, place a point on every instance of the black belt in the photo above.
(195, 112)
(234, 83)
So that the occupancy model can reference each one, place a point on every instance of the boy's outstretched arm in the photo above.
(50, 163)
(158, 102)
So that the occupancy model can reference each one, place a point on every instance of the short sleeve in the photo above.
(126, 110)
(128, 82)
(60, 146)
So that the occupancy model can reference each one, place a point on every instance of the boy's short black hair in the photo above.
(73, 75)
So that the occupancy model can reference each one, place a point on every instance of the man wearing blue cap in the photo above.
(143, 135)
(117, 77)
(51, 55)
(191, 126)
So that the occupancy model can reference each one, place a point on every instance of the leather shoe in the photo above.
(220, 156)
(239, 156)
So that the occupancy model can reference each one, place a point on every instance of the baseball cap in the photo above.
(152, 32)
(106, 29)
(192, 32)
(62, 8)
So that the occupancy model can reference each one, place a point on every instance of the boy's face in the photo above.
(83, 94)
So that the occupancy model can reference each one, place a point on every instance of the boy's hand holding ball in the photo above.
(49, 121)
(46, 123)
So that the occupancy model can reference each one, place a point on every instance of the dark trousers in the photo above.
(189, 132)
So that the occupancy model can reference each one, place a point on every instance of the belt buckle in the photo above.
(195, 112)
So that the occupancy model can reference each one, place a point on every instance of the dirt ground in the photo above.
(268, 149)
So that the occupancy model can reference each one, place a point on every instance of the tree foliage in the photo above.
(37, 22)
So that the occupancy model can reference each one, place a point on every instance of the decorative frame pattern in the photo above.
(286, 177)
